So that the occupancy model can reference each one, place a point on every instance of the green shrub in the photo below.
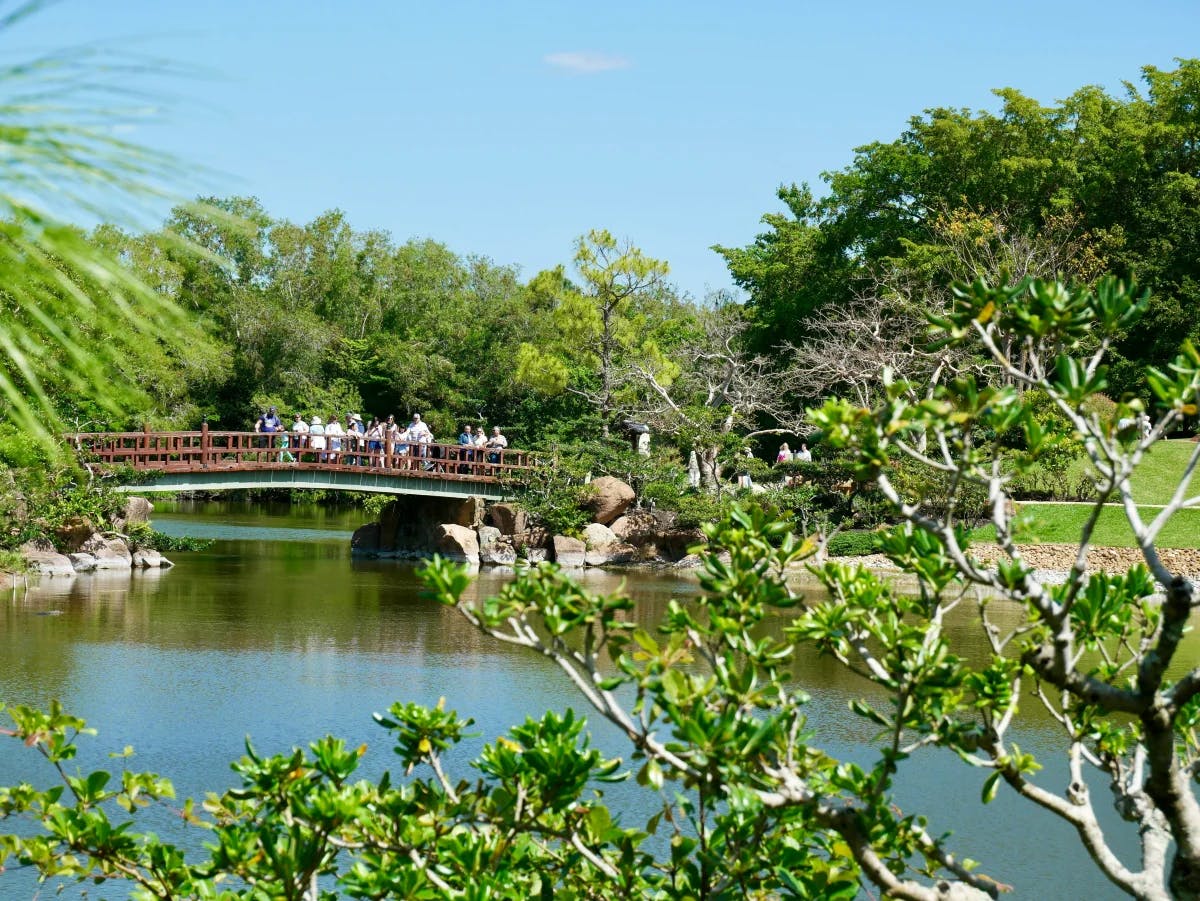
(11, 562)
(853, 543)
(694, 508)
(37, 501)
(931, 488)
(143, 535)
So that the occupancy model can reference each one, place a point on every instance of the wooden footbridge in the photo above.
(210, 460)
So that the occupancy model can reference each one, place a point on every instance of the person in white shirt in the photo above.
(334, 432)
(417, 428)
(300, 427)
(354, 437)
(497, 442)
(804, 454)
(424, 439)
(316, 437)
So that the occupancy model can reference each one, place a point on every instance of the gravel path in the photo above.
(1054, 560)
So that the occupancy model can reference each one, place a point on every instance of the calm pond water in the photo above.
(276, 634)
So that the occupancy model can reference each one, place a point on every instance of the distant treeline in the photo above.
(320, 318)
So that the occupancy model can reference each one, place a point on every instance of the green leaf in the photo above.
(990, 786)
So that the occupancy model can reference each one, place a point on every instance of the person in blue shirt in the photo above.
(268, 422)
(466, 441)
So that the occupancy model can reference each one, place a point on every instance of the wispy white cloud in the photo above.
(586, 62)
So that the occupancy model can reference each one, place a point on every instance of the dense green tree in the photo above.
(603, 326)
(1119, 173)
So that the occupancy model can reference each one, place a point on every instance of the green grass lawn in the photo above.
(1153, 483)
(1159, 473)
(1063, 524)
(1156, 478)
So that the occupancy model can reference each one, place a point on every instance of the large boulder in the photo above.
(469, 512)
(488, 535)
(609, 499)
(43, 559)
(639, 522)
(508, 518)
(603, 547)
(494, 548)
(148, 558)
(137, 509)
(610, 555)
(365, 540)
(596, 535)
(74, 533)
(457, 542)
(112, 554)
(83, 563)
(569, 553)
(623, 526)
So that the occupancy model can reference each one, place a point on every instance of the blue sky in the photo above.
(507, 129)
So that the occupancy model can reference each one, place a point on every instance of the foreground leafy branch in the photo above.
(1097, 651)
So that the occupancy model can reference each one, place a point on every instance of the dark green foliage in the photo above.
(37, 502)
(853, 543)
(1110, 183)
(143, 535)
(692, 507)
(556, 496)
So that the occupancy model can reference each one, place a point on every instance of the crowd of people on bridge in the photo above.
(382, 443)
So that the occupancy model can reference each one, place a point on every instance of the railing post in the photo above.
(205, 444)
(387, 451)
(145, 444)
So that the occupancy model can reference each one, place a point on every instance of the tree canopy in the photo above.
(1121, 174)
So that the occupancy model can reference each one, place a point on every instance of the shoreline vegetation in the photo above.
(652, 534)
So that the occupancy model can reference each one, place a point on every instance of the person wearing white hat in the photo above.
(316, 436)
(418, 434)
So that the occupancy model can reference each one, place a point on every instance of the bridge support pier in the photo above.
(409, 524)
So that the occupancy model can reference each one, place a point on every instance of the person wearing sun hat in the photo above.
(316, 436)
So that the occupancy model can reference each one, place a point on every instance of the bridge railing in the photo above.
(211, 450)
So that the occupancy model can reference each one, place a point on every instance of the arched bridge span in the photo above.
(209, 460)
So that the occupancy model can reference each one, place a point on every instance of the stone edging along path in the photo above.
(1061, 557)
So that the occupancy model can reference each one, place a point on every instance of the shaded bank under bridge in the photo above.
(210, 460)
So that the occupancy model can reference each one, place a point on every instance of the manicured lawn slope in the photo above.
(1153, 483)
(1159, 473)
(1063, 524)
